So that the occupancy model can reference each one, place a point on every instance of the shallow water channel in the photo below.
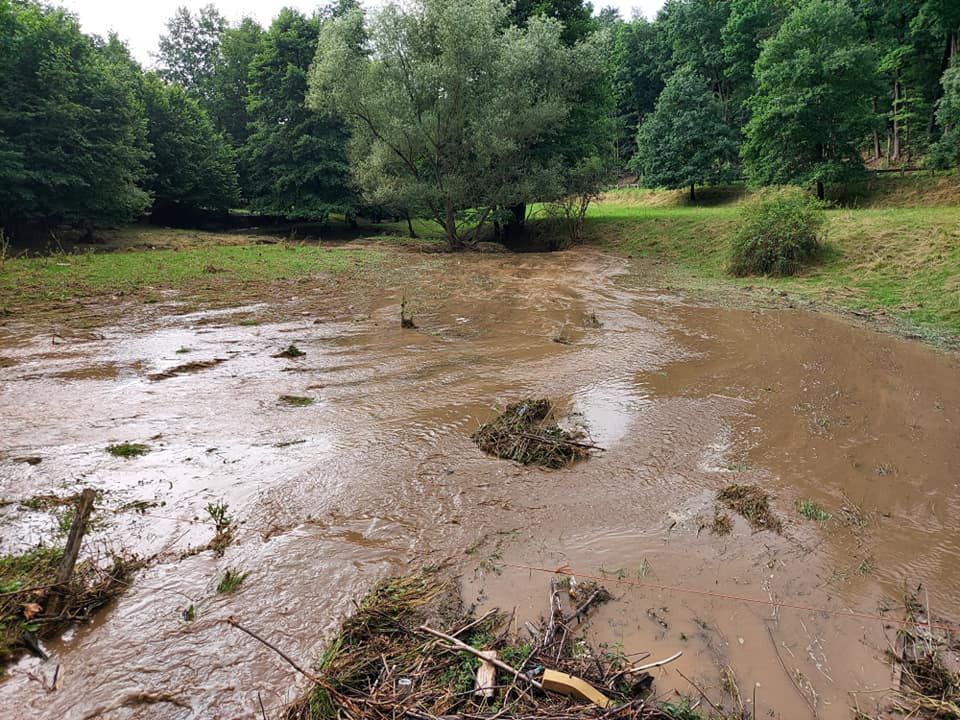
(379, 475)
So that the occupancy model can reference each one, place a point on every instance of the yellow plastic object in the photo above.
(564, 684)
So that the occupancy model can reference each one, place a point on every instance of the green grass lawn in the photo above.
(903, 261)
(209, 266)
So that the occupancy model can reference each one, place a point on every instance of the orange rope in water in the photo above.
(858, 615)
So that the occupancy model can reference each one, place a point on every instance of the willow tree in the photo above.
(454, 112)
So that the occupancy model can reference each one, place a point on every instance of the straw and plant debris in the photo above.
(409, 652)
(527, 432)
(753, 504)
(28, 593)
(926, 662)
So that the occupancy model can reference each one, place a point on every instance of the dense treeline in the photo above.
(464, 112)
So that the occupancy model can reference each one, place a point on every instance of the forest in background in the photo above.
(464, 112)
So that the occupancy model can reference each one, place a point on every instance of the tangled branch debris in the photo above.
(753, 504)
(528, 433)
(390, 660)
(926, 662)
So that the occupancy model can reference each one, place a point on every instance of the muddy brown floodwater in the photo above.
(379, 476)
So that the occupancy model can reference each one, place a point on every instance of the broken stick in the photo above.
(458, 645)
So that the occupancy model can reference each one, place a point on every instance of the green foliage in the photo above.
(778, 235)
(231, 580)
(946, 153)
(684, 141)
(192, 166)
(812, 511)
(811, 108)
(128, 450)
(454, 114)
(295, 161)
(230, 81)
(189, 50)
(637, 82)
(72, 137)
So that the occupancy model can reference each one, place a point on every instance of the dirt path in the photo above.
(379, 474)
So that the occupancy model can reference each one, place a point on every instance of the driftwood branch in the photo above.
(559, 441)
(310, 676)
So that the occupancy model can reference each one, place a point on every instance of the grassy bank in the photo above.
(899, 263)
(199, 263)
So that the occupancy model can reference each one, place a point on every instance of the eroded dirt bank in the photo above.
(379, 474)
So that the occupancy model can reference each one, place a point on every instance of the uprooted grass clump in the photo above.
(753, 504)
(291, 352)
(296, 400)
(28, 593)
(384, 664)
(528, 433)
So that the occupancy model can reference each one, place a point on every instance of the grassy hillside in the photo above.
(900, 262)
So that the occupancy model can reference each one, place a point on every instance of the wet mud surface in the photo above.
(378, 474)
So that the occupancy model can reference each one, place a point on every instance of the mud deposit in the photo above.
(378, 474)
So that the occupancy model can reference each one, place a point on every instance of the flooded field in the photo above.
(378, 474)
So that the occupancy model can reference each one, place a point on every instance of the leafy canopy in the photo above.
(685, 142)
(811, 108)
(455, 112)
(295, 160)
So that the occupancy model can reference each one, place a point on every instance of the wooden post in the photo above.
(72, 550)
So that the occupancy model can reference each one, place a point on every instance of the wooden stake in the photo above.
(72, 550)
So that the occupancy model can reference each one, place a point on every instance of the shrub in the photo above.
(779, 234)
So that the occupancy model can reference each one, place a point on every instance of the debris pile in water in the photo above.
(390, 660)
(528, 433)
(926, 662)
(753, 504)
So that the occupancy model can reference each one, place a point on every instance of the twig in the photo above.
(793, 682)
(473, 651)
(476, 622)
(559, 441)
(310, 676)
(599, 594)
(262, 711)
(650, 666)
(702, 693)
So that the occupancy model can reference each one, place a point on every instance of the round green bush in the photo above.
(779, 234)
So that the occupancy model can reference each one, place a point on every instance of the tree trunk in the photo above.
(693, 193)
(821, 194)
(410, 231)
(518, 217)
(450, 226)
(877, 150)
(895, 155)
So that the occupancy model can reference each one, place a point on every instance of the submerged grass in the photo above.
(128, 450)
(527, 432)
(812, 511)
(753, 504)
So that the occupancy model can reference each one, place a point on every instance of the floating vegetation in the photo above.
(292, 351)
(722, 522)
(187, 368)
(296, 400)
(406, 320)
(527, 433)
(753, 504)
(223, 525)
(128, 450)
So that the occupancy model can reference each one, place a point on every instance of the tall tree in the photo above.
(295, 161)
(230, 80)
(451, 109)
(188, 51)
(192, 167)
(946, 152)
(72, 135)
(685, 142)
(811, 109)
(576, 16)
(637, 82)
